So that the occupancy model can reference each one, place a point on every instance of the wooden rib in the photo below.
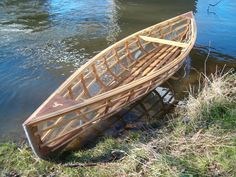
(148, 88)
(128, 51)
(119, 61)
(82, 116)
(140, 45)
(88, 87)
(84, 86)
(110, 71)
(106, 107)
(98, 78)
(49, 132)
(129, 95)
(172, 23)
(70, 92)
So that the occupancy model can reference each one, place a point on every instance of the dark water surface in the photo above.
(43, 41)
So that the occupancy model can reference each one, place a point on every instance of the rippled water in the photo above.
(43, 41)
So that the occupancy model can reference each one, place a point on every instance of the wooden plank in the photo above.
(164, 41)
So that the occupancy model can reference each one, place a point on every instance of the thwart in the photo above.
(110, 81)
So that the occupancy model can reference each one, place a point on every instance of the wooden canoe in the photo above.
(110, 81)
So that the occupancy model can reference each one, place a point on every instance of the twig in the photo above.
(215, 3)
(115, 155)
(81, 164)
(212, 5)
(208, 54)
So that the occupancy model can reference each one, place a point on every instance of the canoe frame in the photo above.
(119, 97)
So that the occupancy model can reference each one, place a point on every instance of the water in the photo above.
(43, 41)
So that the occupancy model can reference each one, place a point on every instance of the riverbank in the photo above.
(199, 139)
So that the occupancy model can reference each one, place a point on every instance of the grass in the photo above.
(199, 139)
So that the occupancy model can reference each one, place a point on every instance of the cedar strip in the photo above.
(161, 60)
(144, 58)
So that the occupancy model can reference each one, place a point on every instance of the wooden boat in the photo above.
(110, 81)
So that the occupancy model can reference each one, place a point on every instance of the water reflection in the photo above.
(218, 27)
(137, 14)
(24, 15)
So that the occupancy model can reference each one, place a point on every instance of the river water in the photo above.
(42, 42)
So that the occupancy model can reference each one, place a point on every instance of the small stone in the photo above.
(118, 154)
(186, 120)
